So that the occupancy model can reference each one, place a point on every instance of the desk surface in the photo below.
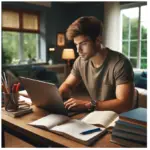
(21, 125)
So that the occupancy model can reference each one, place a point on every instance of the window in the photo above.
(134, 35)
(20, 36)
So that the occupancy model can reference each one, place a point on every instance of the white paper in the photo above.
(104, 118)
(50, 121)
(75, 127)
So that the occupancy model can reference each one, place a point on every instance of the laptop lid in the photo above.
(44, 95)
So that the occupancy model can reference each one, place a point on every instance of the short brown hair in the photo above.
(88, 26)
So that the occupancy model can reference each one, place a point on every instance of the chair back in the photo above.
(135, 99)
(41, 73)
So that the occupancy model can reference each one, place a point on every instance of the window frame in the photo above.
(139, 40)
(21, 31)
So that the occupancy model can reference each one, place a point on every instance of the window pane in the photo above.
(143, 30)
(134, 28)
(10, 44)
(133, 62)
(130, 22)
(125, 48)
(30, 21)
(10, 19)
(143, 63)
(144, 48)
(30, 44)
(144, 13)
(125, 27)
(133, 48)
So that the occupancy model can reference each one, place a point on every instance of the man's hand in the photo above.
(76, 104)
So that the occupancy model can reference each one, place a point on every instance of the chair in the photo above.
(41, 73)
(136, 99)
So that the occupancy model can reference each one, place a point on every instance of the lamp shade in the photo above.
(68, 54)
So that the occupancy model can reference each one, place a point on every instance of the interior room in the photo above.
(33, 39)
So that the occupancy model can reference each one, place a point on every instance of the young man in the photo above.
(107, 75)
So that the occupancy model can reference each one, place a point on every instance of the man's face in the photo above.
(85, 46)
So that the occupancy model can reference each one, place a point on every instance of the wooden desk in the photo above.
(41, 138)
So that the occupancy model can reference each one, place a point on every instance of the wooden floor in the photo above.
(14, 142)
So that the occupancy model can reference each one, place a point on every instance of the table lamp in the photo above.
(68, 54)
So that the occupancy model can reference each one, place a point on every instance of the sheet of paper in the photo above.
(75, 127)
(50, 121)
(100, 118)
(25, 99)
(23, 93)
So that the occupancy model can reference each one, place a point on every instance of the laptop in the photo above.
(45, 95)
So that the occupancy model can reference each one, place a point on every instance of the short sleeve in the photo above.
(75, 69)
(123, 72)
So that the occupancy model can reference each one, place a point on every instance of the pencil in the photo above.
(5, 78)
(4, 89)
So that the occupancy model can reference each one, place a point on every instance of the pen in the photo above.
(17, 87)
(90, 131)
(13, 89)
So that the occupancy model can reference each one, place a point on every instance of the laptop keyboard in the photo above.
(70, 112)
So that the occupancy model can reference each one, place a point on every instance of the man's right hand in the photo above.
(76, 104)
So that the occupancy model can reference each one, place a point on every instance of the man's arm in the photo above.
(68, 85)
(123, 101)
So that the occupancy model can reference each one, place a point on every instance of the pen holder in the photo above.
(10, 101)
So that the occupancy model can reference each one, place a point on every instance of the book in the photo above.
(18, 113)
(104, 119)
(69, 128)
(24, 99)
(23, 93)
(126, 143)
(132, 128)
(135, 116)
(130, 136)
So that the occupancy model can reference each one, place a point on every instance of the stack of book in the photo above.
(23, 93)
(131, 128)
(24, 97)
(18, 113)
(24, 103)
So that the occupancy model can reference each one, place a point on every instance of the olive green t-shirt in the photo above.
(101, 82)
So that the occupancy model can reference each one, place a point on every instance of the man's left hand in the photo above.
(76, 104)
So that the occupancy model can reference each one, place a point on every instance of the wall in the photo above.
(112, 25)
(56, 19)
(61, 15)
(46, 4)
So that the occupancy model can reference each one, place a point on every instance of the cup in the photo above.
(11, 101)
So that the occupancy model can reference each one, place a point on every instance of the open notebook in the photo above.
(104, 119)
(70, 128)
